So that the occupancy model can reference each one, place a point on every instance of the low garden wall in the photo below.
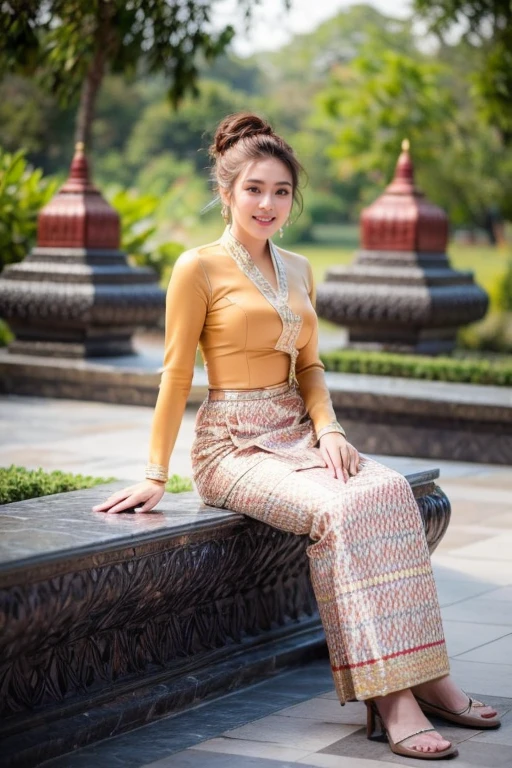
(387, 415)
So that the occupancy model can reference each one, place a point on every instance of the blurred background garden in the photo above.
(345, 94)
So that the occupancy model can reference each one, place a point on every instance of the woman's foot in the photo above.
(443, 697)
(402, 716)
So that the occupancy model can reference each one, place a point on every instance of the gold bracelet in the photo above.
(156, 472)
(332, 427)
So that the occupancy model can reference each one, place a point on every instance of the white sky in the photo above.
(272, 26)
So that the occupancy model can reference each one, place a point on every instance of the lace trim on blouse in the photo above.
(292, 323)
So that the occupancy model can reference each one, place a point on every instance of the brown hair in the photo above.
(243, 137)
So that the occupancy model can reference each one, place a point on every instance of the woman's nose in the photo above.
(266, 201)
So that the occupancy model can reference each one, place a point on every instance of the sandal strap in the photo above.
(471, 703)
(416, 733)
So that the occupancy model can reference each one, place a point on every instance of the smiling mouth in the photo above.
(264, 219)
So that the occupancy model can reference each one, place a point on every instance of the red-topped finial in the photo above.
(403, 181)
(401, 219)
(78, 216)
(79, 179)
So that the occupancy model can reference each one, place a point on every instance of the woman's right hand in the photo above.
(144, 495)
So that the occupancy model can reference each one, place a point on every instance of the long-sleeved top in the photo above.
(250, 335)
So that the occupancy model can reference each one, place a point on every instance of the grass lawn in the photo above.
(337, 244)
(487, 263)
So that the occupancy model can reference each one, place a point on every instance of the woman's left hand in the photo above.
(339, 455)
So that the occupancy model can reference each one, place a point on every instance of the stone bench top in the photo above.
(50, 530)
(467, 404)
(440, 391)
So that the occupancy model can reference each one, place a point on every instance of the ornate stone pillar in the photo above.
(401, 293)
(75, 295)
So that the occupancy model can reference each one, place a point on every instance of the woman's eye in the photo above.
(252, 189)
(282, 191)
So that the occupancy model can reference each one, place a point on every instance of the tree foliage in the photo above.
(23, 192)
(486, 28)
(70, 45)
(139, 232)
(187, 132)
(58, 40)
(344, 95)
(382, 97)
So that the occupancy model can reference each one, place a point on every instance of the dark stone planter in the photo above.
(75, 295)
(401, 301)
(76, 302)
(401, 293)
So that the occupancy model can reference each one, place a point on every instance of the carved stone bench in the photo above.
(111, 621)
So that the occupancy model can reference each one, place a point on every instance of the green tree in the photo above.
(383, 97)
(185, 132)
(138, 230)
(379, 99)
(309, 58)
(486, 28)
(23, 192)
(70, 45)
(292, 79)
(31, 117)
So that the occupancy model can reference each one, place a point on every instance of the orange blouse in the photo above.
(250, 335)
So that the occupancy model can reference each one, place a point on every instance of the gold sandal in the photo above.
(464, 717)
(373, 717)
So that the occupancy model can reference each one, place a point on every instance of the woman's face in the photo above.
(261, 199)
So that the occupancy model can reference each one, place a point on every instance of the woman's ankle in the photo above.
(400, 707)
(403, 720)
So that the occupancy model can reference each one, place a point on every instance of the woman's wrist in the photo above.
(160, 483)
(156, 472)
(332, 427)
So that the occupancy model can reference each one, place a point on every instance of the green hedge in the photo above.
(464, 370)
(18, 483)
(5, 334)
(178, 484)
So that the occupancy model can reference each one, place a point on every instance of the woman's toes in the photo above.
(433, 742)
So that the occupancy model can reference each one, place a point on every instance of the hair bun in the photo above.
(241, 125)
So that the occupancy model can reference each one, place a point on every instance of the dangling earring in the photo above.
(225, 212)
(281, 230)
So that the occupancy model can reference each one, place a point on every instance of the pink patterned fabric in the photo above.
(254, 453)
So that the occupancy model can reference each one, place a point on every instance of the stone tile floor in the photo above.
(294, 718)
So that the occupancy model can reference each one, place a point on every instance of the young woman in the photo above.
(267, 444)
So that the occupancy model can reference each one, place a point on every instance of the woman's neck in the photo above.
(257, 249)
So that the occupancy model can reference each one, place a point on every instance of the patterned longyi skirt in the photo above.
(255, 453)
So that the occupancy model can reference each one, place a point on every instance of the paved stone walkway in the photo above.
(294, 718)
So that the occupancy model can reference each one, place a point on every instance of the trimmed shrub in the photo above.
(178, 484)
(492, 335)
(6, 335)
(23, 192)
(464, 370)
(19, 483)
(505, 290)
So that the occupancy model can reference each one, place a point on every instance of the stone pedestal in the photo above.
(76, 295)
(401, 293)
